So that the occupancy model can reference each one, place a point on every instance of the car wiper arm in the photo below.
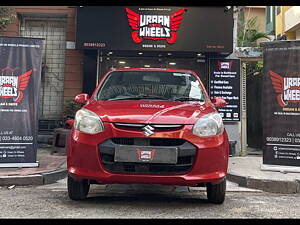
(188, 99)
(138, 97)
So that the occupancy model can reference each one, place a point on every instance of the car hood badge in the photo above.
(148, 130)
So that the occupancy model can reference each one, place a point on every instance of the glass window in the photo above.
(163, 85)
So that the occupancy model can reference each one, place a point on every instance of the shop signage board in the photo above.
(163, 28)
(224, 81)
(20, 74)
(281, 104)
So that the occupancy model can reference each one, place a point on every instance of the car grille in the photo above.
(185, 158)
(140, 126)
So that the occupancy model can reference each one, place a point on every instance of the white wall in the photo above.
(292, 18)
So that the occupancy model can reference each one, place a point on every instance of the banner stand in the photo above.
(279, 168)
(20, 78)
(281, 106)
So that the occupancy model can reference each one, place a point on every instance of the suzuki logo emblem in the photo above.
(148, 130)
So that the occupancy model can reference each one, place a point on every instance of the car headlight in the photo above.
(209, 125)
(88, 122)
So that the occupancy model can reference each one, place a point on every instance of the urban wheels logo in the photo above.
(12, 86)
(286, 88)
(225, 65)
(145, 155)
(154, 27)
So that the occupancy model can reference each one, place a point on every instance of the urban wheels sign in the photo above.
(281, 104)
(13, 86)
(287, 88)
(154, 27)
(20, 71)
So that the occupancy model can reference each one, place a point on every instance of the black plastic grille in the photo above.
(148, 141)
(185, 159)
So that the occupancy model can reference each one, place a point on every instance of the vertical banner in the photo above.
(224, 81)
(281, 103)
(20, 75)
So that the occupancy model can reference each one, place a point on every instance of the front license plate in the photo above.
(146, 154)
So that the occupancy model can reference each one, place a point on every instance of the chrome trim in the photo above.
(167, 125)
(130, 124)
(152, 125)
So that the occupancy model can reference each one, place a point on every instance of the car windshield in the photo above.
(160, 85)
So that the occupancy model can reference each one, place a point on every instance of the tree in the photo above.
(248, 33)
(5, 17)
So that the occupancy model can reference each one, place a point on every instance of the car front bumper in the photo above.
(85, 161)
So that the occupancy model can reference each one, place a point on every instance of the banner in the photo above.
(20, 75)
(155, 28)
(281, 103)
(224, 81)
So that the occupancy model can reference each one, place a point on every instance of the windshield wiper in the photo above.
(138, 97)
(188, 99)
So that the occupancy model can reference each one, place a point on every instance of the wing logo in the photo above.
(154, 27)
(286, 88)
(225, 65)
(13, 86)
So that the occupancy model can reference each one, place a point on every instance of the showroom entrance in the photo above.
(96, 66)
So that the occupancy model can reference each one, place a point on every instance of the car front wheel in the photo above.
(216, 192)
(78, 190)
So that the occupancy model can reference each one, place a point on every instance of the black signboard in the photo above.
(20, 71)
(281, 103)
(159, 28)
(224, 81)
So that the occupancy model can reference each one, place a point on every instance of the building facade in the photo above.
(82, 43)
(258, 12)
(287, 22)
(62, 72)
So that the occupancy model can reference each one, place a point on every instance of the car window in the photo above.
(157, 84)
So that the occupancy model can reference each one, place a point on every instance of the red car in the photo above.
(155, 126)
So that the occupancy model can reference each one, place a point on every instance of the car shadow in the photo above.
(142, 198)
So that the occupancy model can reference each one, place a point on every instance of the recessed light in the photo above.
(140, 53)
(127, 67)
(146, 65)
(169, 53)
(122, 62)
(172, 63)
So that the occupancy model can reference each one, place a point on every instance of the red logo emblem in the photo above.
(12, 86)
(225, 65)
(286, 88)
(145, 155)
(154, 27)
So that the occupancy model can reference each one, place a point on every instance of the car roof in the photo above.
(153, 69)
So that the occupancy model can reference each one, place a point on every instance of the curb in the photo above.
(53, 176)
(35, 179)
(273, 186)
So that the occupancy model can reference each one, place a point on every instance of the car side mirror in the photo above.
(82, 98)
(219, 102)
(69, 124)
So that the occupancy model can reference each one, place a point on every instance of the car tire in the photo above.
(78, 190)
(216, 192)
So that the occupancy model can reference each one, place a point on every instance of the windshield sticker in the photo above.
(151, 79)
(182, 74)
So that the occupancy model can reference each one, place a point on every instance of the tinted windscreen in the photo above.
(151, 85)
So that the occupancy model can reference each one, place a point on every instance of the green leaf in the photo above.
(5, 17)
